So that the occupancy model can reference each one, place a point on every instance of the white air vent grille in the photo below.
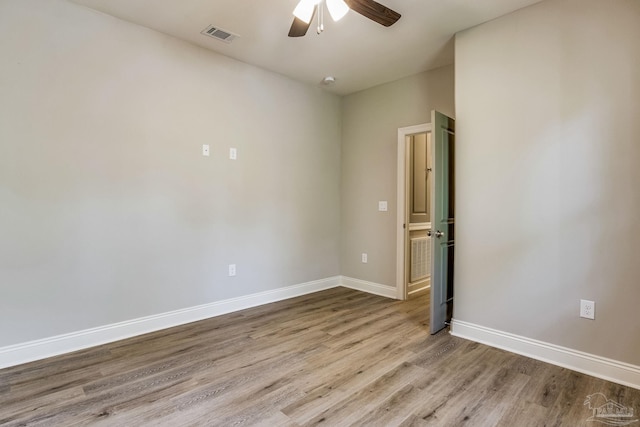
(219, 34)
(420, 258)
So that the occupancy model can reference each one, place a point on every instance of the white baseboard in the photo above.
(40, 349)
(427, 285)
(370, 287)
(596, 366)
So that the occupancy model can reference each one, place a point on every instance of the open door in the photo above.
(442, 220)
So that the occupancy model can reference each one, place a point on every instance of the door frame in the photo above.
(401, 199)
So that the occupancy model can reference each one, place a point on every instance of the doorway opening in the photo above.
(413, 263)
(438, 206)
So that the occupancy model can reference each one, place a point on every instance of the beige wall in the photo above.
(108, 210)
(548, 206)
(370, 123)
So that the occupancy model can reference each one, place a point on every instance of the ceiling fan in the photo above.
(306, 10)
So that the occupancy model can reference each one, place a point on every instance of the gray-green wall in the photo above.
(370, 122)
(548, 174)
(108, 210)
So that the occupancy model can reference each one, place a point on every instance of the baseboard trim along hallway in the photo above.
(599, 367)
(596, 366)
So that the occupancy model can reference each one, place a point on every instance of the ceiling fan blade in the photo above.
(374, 11)
(299, 27)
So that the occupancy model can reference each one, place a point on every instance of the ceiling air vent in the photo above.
(219, 34)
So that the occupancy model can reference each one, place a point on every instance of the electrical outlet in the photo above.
(233, 153)
(232, 269)
(205, 150)
(383, 206)
(587, 309)
(364, 258)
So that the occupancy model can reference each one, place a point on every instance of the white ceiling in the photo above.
(358, 52)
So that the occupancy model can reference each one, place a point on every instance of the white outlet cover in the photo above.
(233, 153)
(587, 309)
(383, 206)
(232, 269)
(205, 149)
(364, 258)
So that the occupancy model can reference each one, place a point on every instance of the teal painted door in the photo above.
(442, 220)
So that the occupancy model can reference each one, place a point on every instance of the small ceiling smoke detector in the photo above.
(329, 80)
(219, 34)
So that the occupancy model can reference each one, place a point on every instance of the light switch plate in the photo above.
(205, 149)
(383, 206)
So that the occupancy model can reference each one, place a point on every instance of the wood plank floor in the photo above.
(336, 358)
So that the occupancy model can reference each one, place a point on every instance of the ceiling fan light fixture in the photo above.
(304, 10)
(307, 9)
(337, 8)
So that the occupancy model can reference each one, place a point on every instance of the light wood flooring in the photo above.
(335, 358)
